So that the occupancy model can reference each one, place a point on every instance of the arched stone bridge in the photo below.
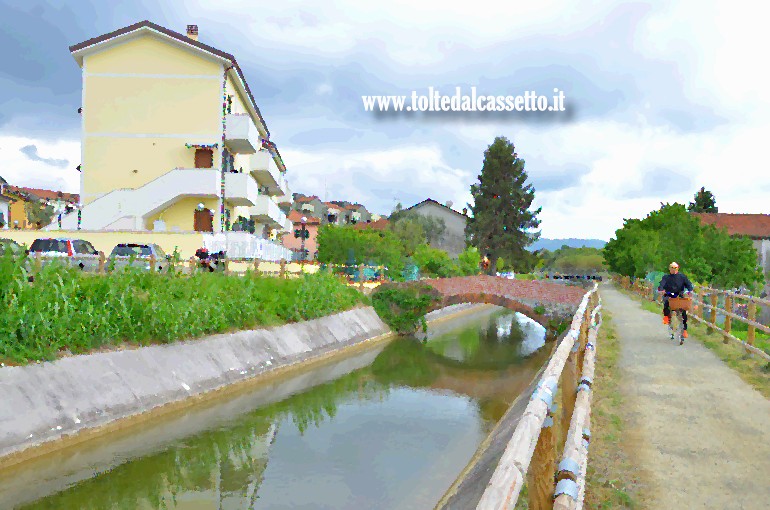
(549, 303)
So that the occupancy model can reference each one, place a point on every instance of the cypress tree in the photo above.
(502, 221)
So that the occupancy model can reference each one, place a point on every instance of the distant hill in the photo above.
(555, 244)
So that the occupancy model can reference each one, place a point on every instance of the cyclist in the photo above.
(671, 285)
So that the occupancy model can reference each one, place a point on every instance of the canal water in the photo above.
(391, 427)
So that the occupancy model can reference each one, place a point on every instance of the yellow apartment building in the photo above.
(172, 138)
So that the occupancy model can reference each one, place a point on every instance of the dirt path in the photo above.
(701, 433)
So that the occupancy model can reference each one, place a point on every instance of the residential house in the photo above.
(453, 239)
(312, 206)
(358, 213)
(5, 210)
(380, 224)
(294, 243)
(172, 137)
(335, 214)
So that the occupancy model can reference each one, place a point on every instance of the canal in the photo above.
(390, 427)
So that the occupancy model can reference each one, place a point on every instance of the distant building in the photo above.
(453, 240)
(295, 243)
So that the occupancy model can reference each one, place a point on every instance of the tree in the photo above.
(410, 232)
(347, 245)
(501, 223)
(704, 202)
(38, 212)
(704, 253)
(433, 228)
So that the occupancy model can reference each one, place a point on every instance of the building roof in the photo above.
(756, 226)
(381, 224)
(333, 205)
(431, 201)
(79, 49)
(46, 194)
(302, 200)
(296, 217)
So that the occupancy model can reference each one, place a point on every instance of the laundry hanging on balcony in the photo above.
(202, 145)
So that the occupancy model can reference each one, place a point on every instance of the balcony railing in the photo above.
(266, 211)
(241, 189)
(242, 245)
(241, 135)
(265, 171)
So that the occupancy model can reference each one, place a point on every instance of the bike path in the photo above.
(700, 433)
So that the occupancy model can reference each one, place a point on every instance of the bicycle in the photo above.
(678, 305)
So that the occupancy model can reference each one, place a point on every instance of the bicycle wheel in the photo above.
(680, 326)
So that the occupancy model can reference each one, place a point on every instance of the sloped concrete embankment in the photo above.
(46, 405)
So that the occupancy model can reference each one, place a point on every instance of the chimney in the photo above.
(449, 203)
(192, 32)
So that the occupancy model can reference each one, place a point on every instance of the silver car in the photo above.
(72, 252)
(137, 255)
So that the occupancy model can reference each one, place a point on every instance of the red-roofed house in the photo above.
(381, 224)
(295, 243)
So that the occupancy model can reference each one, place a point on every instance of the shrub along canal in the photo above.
(390, 427)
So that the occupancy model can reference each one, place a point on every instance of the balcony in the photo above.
(266, 211)
(241, 136)
(241, 189)
(285, 196)
(266, 172)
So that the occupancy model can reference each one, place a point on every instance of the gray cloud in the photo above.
(660, 182)
(558, 178)
(31, 152)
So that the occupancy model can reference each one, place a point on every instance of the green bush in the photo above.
(434, 262)
(67, 310)
(403, 306)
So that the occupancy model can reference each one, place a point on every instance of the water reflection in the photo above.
(393, 434)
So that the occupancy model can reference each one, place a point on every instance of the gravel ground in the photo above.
(701, 433)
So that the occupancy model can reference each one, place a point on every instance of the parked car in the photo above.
(123, 254)
(10, 244)
(74, 252)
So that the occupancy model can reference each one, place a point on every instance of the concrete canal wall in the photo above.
(48, 404)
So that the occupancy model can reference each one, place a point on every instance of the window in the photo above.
(129, 250)
(83, 248)
(49, 245)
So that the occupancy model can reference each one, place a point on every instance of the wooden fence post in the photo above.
(361, 277)
(540, 476)
(713, 315)
(152, 263)
(583, 339)
(701, 302)
(282, 273)
(192, 266)
(728, 319)
(38, 262)
(101, 262)
(752, 317)
(256, 266)
(227, 267)
(568, 388)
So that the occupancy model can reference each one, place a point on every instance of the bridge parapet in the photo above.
(550, 304)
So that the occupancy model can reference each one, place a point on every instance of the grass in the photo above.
(754, 370)
(66, 311)
(613, 480)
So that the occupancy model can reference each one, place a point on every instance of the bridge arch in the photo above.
(549, 303)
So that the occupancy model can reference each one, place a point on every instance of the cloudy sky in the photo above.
(660, 99)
